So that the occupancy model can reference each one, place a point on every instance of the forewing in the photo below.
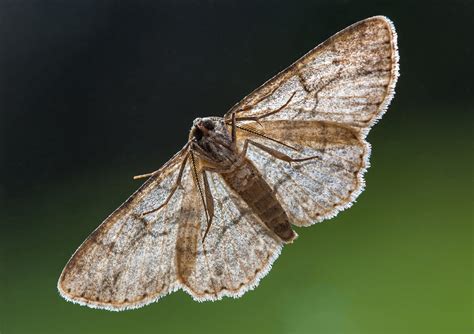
(237, 252)
(348, 79)
(129, 260)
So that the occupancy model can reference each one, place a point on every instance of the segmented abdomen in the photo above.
(247, 181)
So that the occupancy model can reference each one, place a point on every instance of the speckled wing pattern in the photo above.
(129, 260)
(326, 101)
(317, 189)
(237, 252)
(132, 260)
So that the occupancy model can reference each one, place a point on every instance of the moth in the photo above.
(215, 217)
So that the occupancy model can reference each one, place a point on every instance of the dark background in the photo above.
(94, 92)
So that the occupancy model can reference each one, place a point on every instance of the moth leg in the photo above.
(136, 177)
(260, 99)
(173, 189)
(275, 153)
(203, 155)
(263, 135)
(269, 113)
(211, 165)
(234, 130)
(142, 176)
(209, 203)
(206, 197)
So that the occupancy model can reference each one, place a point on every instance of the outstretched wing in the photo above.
(324, 104)
(129, 260)
(316, 189)
(132, 260)
(349, 79)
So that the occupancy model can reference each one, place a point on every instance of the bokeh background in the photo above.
(94, 92)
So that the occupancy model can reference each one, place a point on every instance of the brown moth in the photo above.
(215, 217)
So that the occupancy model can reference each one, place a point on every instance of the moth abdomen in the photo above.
(247, 181)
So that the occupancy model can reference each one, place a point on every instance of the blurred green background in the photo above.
(94, 92)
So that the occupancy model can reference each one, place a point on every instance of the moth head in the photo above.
(201, 128)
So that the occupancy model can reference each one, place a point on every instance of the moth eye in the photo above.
(197, 133)
(208, 125)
